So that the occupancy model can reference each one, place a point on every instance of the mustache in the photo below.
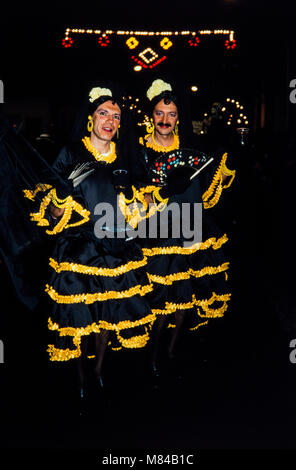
(163, 124)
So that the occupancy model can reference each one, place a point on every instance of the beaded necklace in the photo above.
(109, 158)
(161, 148)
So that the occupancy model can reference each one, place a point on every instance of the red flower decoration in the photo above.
(104, 40)
(67, 42)
(230, 44)
(194, 42)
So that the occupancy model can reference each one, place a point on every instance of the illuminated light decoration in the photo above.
(215, 32)
(150, 52)
(139, 62)
(166, 43)
(132, 42)
(230, 44)
(194, 88)
(157, 62)
(230, 112)
(104, 40)
(67, 42)
(194, 42)
(137, 68)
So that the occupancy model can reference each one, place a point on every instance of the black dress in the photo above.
(191, 278)
(97, 283)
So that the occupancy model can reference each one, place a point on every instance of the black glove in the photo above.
(122, 184)
(64, 189)
(178, 180)
(120, 180)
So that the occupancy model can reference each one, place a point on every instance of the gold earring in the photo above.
(117, 132)
(90, 124)
(176, 130)
(150, 127)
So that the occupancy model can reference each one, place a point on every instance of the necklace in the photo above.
(109, 158)
(162, 148)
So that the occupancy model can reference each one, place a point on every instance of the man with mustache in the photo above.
(202, 294)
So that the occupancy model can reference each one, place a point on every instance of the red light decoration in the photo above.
(139, 62)
(194, 42)
(67, 42)
(230, 44)
(104, 40)
(157, 62)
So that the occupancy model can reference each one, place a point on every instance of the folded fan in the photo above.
(184, 158)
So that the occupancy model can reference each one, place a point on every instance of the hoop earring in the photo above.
(90, 124)
(150, 127)
(176, 130)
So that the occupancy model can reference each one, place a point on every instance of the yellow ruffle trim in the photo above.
(97, 296)
(137, 210)
(199, 324)
(63, 223)
(213, 312)
(94, 271)
(56, 354)
(29, 194)
(160, 148)
(178, 250)
(138, 341)
(134, 342)
(212, 195)
(171, 307)
(181, 276)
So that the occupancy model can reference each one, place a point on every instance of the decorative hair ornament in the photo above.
(157, 87)
(95, 93)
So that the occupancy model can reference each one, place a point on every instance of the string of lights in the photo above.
(230, 113)
(225, 32)
(148, 56)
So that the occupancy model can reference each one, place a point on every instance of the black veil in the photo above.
(24, 247)
(22, 243)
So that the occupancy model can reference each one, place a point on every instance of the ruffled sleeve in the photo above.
(60, 196)
(222, 179)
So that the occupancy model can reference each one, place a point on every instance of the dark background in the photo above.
(240, 385)
(40, 76)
